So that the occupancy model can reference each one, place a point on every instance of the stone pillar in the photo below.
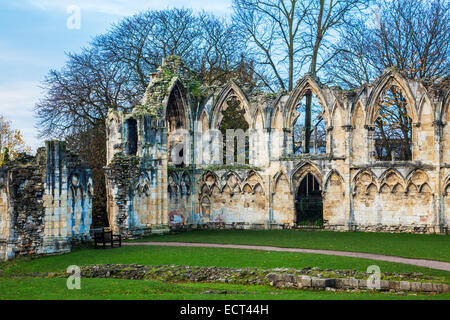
(348, 175)
(440, 219)
(370, 142)
(288, 143)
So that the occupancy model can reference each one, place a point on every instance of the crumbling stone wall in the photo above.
(137, 181)
(23, 210)
(359, 192)
(46, 202)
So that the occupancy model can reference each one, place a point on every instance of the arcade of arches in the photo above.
(378, 157)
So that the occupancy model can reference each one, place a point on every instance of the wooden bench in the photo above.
(105, 237)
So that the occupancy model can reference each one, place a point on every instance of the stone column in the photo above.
(348, 175)
(439, 205)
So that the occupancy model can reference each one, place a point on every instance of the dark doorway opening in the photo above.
(132, 137)
(308, 203)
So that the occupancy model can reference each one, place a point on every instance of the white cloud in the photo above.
(129, 7)
(17, 100)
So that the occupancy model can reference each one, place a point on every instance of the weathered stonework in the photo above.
(358, 192)
(46, 202)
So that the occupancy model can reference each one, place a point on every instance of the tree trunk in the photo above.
(308, 121)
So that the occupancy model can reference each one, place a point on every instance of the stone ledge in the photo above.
(305, 282)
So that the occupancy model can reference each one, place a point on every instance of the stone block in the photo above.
(405, 286)
(306, 282)
(384, 285)
(362, 283)
(427, 287)
(353, 283)
(342, 283)
(437, 287)
(416, 286)
(323, 283)
(394, 285)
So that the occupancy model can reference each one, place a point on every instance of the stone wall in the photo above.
(359, 191)
(136, 180)
(46, 202)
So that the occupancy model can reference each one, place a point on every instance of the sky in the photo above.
(35, 36)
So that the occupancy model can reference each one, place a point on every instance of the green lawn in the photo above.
(43, 288)
(149, 255)
(433, 247)
(407, 245)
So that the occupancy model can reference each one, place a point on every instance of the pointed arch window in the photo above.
(393, 127)
(315, 125)
(233, 118)
(176, 120)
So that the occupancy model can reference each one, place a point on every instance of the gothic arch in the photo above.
(338, 112)
(276, 112)
(276, 178)
(363, 180)
(141, 184)
(360, 98)
(253, 182)
(180, 110)
(446, 187)
(231, 179)
(210, 178)
(392, 177)
(445, 113)
(229, 91)
(365, 172)
(258, 119)
(277, 120)
(306, 84)
(357, 112)
(387, 80)
(328, 177)
(418, 177)
(247, 188)
(258, 189)
(424, 104)
(204, 121)
(301, 171)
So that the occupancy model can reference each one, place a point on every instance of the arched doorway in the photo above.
(308, 202)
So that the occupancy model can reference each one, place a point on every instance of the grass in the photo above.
(236, 258)
(48, 289)
(406, 245)
(424, 246)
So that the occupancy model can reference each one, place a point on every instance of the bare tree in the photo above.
(274, 30)
(221, 52)
(113, 73)
(79, 95)
(411, 36)
(287, 35)
(324, 20)
(351, 65)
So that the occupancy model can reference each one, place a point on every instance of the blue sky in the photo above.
(34, 38)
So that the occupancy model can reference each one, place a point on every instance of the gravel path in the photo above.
(433, 264)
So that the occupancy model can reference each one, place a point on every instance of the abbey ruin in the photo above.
(233, 156)
(342, 182)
